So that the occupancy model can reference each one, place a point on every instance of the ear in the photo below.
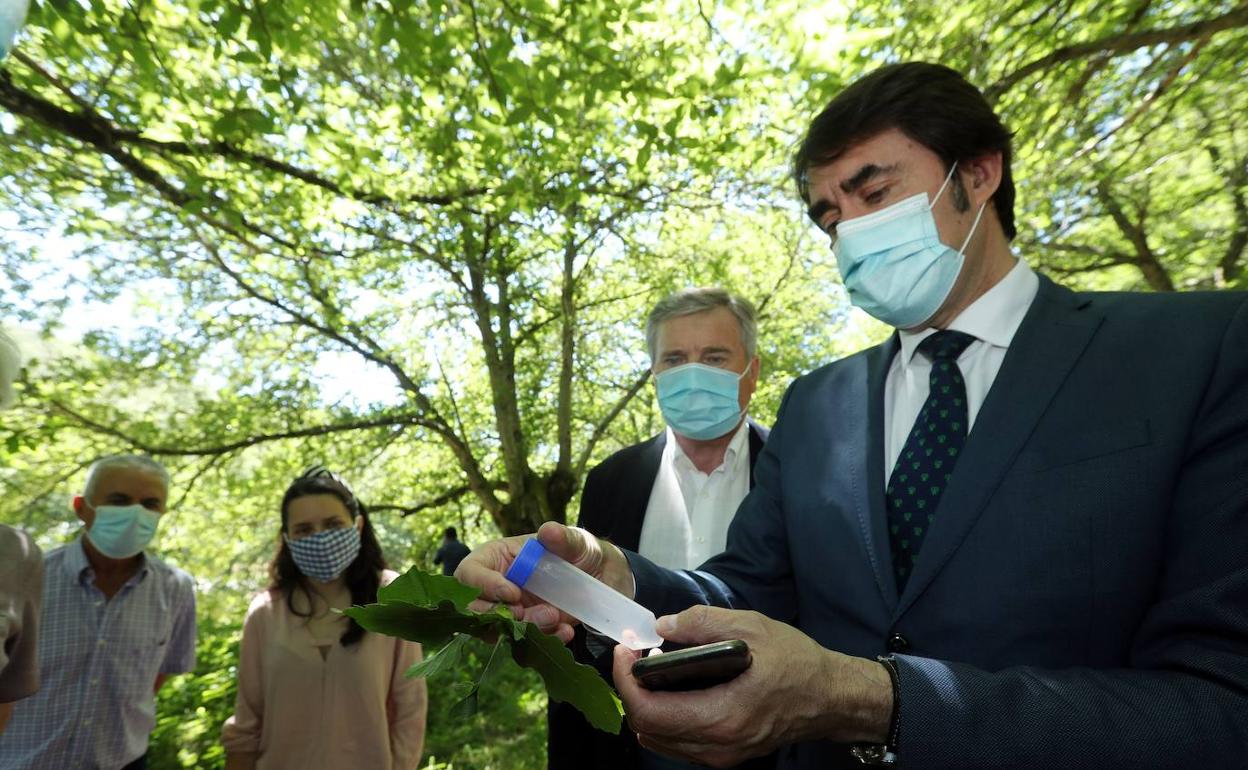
(83, 510)
(982, 177)
(359, 523)
(749, 383)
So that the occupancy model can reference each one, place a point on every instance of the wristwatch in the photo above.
(883, 754)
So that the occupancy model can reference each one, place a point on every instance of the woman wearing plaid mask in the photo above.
(315, 689)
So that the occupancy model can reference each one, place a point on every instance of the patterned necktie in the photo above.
(926, 461)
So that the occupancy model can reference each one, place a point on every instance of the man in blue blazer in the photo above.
(1011, 536)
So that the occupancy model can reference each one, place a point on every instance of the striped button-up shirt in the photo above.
(98, 661)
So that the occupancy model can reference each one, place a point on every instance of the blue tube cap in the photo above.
(526, 561)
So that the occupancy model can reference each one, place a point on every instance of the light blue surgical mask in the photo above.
(12, 14)
(122, 531)
(700, 401)
(894, 264)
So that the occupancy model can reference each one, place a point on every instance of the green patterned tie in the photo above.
(926, 461)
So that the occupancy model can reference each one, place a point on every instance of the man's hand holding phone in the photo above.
(693, 668)
(793, 690)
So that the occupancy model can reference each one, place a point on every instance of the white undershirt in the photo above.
(993, 320)
(689, 511)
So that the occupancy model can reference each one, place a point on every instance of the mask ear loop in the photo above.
(943, 185)
(974, 225)
(978, 214)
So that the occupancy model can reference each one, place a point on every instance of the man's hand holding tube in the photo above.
(486, 566)
(795, 690)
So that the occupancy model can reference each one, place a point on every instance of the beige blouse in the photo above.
(309, 708)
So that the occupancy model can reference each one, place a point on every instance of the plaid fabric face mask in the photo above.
(325, 555)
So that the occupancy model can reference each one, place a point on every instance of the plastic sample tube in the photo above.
(594, 603)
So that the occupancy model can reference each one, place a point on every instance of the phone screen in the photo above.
(694, 668)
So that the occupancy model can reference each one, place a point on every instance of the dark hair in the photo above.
(451, 533)
(362, 576)
(929, 103)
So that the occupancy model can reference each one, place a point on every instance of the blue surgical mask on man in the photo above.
(698, 401)
(122, 531)
(894, 264)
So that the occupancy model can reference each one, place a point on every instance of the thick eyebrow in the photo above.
(866, 174)
(706, 351)
(863, 175)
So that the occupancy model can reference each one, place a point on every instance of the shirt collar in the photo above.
(993, 318)
(676, 453)
(77, 566)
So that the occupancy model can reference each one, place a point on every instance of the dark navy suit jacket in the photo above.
(1081, 600)
(613, 506)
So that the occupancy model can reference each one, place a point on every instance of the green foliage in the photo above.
(191, 709)
(433, 610)
(416, 240)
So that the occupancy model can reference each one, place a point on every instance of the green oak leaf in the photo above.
(424, 589)
(433, 610)
(432, 626)
(569, 681)
(442, 660)
(467, 706)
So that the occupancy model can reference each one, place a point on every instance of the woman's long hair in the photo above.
(362, 576)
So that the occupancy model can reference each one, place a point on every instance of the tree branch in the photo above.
(1154, 272)
(234, 446)
(448, 496)
(600, 428)
(1121, 44)
(1231, 266)
(91, 127)
(225, 149)
(567, 352)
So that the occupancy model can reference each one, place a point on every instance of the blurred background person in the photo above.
(451, 553)
(315, 690)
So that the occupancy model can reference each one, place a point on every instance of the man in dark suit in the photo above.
(672, 497)
(1011, 536)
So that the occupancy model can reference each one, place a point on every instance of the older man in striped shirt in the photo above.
(116, 621)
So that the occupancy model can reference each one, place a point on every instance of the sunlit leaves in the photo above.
(433, 610)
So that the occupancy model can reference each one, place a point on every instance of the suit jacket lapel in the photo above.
(757, 436)
(634, 492)
(1048, 343)
(869, 502)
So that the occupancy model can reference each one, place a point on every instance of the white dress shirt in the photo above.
(689, 511)
(992, 320)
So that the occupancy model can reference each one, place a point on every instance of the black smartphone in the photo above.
(693, 668)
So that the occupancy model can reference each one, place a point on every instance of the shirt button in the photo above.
(898, 643)
(100, 643)
(95, 681)
(99, 604)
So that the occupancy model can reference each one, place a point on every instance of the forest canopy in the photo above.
(416, 241)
